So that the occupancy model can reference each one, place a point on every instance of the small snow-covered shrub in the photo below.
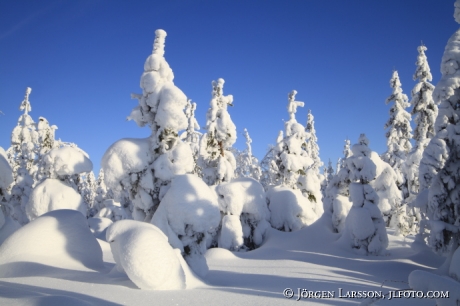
(189, 216)
(247, 217)
(289, 209)
(53, 194)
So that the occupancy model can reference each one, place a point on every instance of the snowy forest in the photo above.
(184, 209)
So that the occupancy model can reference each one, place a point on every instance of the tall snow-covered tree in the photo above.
(399, 131)
(22, 156)
(312, 144)
(440, 166)
(346, 153)
(217, 162)
(191, 136)
(247, 165)
(161, 107)
(425, 111)
(290, 164)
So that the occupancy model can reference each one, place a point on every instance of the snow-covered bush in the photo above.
(246, 216)
(364, 226)
(216, 161)
(142, 251)
(112, 210)
(53, 194)
(247, 165)
(189, 216)
(289, 209)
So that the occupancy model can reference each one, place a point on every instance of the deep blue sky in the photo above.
(84, 58)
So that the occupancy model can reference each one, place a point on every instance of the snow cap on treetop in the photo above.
(159, 42)
(457, 11)
(25, 104)
(363, 140)
(293, 104)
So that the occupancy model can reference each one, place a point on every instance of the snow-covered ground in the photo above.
(54, 261)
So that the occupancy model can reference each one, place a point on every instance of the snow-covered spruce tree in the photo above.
(399, 131)
(271, 175)
(88, 191)
(216, 161)
(191, 136)
(327, 177)
(161, 107)
(246, 164)
(101, 193)
(312, 147)
(46, 142)
(22, 156)
(290, 169)
(336, 199)
(441, 158)
(364, 226)
(425, 111)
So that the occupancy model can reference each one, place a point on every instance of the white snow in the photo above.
(290, 210)
(58, 239)
(142, 251)
(189, 216)
(127, 155)
(52, 194)
(67, 161)
(6, 173)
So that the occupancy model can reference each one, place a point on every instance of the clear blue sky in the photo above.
(84, 58)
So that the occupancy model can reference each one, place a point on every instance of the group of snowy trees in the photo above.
(201, 192)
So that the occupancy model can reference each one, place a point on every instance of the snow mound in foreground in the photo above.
(8, 226)
(143, 252)
(60, 238)
(52, 194)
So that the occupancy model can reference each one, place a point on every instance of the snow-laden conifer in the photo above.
(217, 162)
(425, 111)
(247, 165)
(23, 157)
(312, 144)
(399, 130)
(364, 226)
(440, 167)
(161, 107)
(290, 164)
(191, 136)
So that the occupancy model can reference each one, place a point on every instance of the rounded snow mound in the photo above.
(68, 161)
(59, 239)
(125, 156)
(52, 194)
(219, 253)
(143, 252)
